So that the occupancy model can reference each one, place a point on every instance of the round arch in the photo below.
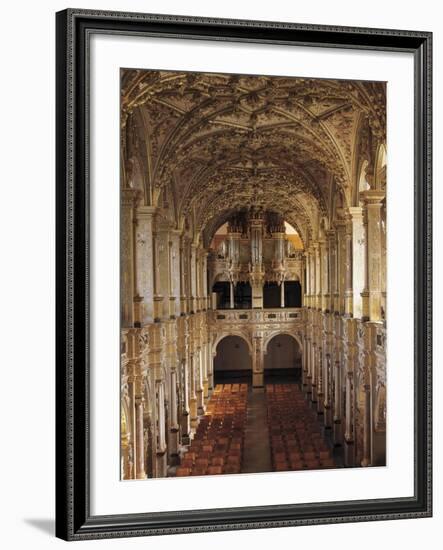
(223, 335)
(232, 360)
(380, 166)
(282, 356)
(277, 333)
(362, 182)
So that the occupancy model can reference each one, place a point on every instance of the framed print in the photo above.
(243, 274)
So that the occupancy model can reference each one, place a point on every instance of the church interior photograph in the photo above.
(252, 274)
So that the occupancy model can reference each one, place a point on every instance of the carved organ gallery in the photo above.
(253, 274)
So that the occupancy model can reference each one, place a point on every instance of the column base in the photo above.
(174, 459)
(349, 454)
(337, 432)
(328, 417)
(313, 394)
(320, 406)
(185, 428)
(257, 379)
(194, 423)
(161, 465)
(193, 412)
(200, 403)
(186, 440)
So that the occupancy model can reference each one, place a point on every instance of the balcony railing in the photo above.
(276, 315)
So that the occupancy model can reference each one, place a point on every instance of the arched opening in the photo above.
(292, 294)
(243, 295)
(218, 242)
(221, 290)
(232, 361)
(363, 184)
(271, 295)
(282, 359)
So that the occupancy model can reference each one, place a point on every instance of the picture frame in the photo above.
(74, 520)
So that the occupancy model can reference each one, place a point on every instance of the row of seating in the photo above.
(217, 446)
(295, 435)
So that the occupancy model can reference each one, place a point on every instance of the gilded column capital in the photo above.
(145, 212)
(356, 212)
(130, 197)
(372, 196)
(340, 225)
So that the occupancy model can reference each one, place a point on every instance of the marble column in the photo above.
(133, 419)
(365, 291)
(321, 382)
(257, 362)
(308, 377)
(349, 430)
(366, 460)
(373, 204)
(193, 393)
(304, 367)
(210, 360)
(200, 389)
(193, 276)
(144, 265)
(337, 403)
(206, 369)
(183, 293)
(161, 274)
(324, 305)
(332, 269)
(314, 372)
(383, 261)
(205, 291)
(282, 294)
(185, 415)
(126, 458)
(140, 447)
(175, 283)
(129, 199)
(348, 269)
(174, 434)
(317, 278)
(161, 463)
(358, 260)
(341, 266)
(308, 278)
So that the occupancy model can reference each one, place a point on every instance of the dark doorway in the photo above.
(292, 294)
(282, 360)
(232, 361)
(271, 295)
(243, 296)
(222, 290)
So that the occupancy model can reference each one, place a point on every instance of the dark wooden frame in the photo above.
(74, 521)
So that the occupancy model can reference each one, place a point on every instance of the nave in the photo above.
(253, 238)
(246, 430)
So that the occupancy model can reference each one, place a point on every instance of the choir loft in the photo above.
(253, 274)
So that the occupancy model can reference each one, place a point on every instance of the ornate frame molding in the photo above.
(74, 29)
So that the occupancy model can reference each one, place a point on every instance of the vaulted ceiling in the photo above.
(209, 144)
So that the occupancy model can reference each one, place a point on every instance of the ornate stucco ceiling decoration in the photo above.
(220, 141)
(222, 197)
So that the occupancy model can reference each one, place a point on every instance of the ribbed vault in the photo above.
(217, 142)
